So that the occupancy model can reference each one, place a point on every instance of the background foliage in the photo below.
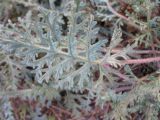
(79, 59)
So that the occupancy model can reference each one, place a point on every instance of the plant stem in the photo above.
(114, 12)
(127, 20)
(140, 61)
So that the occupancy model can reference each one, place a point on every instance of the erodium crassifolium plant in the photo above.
(67, 49)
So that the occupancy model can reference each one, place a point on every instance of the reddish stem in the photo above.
(116, 50)
(122, 2)
(121, 89)
(127, 20)
(62, 110)
(140, 61)
(115, 12)
(108, 68)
